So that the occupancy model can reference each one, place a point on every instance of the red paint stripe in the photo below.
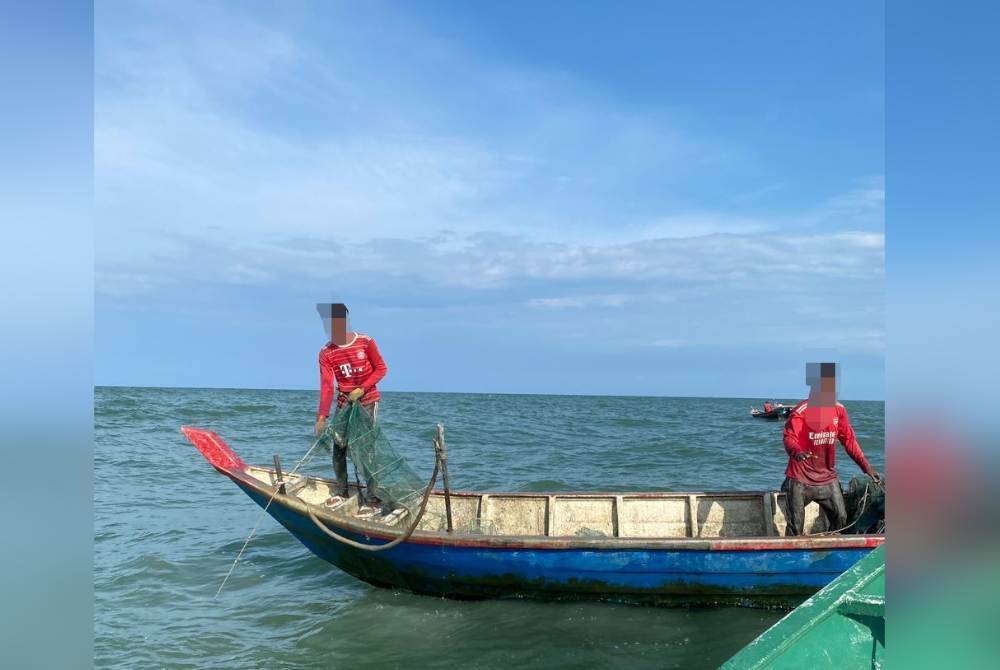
(856, 542)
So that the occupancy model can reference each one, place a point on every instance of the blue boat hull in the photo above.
(765, 577)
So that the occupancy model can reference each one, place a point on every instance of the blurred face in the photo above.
(822, 388)
(334, 320)
(338, 330)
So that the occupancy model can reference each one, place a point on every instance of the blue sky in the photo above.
(510, 198)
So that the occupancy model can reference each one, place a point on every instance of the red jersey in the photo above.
(357, 364)
(816, 430)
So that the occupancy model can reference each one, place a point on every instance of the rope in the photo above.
(260, 516)
(862, 508)
(389, 545)
(302, 461)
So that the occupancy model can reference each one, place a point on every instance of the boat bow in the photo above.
(214, 449)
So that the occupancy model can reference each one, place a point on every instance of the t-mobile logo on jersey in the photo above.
(345, 369)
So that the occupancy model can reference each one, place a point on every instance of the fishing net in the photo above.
(387, 475)
(865, 502)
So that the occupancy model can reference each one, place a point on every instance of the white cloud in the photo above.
(482, 261)
(232, 128)
(581, 301)
(860, 205)
(229, 153)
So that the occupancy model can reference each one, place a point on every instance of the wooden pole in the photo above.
(442, 455)
(280, 478)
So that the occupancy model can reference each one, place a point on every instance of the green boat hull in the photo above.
(842, 626)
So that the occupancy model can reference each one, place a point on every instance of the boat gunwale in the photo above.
(535, 542)
(561, 494)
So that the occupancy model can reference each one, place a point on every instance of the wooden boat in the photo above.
(842, 626)
(634, 547)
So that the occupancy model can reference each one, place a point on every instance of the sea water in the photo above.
(167, 528)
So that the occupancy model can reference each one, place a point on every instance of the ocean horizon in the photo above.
(567, 395)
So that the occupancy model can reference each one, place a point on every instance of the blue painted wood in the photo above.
(746, 576)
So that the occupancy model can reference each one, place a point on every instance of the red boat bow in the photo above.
(213, 448)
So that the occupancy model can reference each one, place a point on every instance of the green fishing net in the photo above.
(387, 475)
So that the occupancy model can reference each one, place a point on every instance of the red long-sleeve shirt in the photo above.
(357, 364)
(816, 430)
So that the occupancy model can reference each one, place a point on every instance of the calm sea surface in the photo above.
(167, 529)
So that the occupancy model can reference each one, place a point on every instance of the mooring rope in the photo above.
(260, 516)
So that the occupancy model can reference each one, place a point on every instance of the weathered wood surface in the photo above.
(612, 515)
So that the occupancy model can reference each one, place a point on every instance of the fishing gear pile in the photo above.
(387, 475)
(385, 471)
(865, 501)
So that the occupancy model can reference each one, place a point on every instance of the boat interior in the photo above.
(613, 515)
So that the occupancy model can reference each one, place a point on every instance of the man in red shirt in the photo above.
(354, 362)
(811, 434)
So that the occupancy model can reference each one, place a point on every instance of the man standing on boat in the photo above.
(354, 362)
(811, 434)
